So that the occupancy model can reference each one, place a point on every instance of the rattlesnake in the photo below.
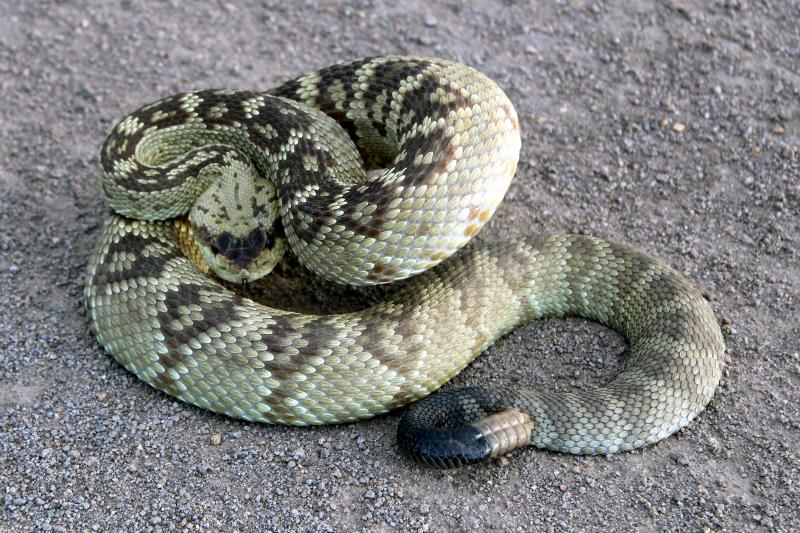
(448, 139)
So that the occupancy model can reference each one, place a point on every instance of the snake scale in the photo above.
(181, 172)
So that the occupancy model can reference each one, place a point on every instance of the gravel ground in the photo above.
(671, 128)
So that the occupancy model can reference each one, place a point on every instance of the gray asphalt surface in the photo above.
(675, 129)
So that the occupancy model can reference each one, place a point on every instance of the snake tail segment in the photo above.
(441, 431)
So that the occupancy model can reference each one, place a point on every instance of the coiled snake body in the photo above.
(449, 141)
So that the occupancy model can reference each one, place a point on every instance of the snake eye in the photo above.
(214, 249)
(269, 241)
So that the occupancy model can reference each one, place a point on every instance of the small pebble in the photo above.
(681, 460)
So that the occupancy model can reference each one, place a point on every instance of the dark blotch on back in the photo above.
(324, 331)
(386, 80)
(214, 314)
(150, 265)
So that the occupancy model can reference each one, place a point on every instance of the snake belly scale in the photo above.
(448, 140)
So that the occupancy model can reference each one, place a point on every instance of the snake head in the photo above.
(237, 224)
